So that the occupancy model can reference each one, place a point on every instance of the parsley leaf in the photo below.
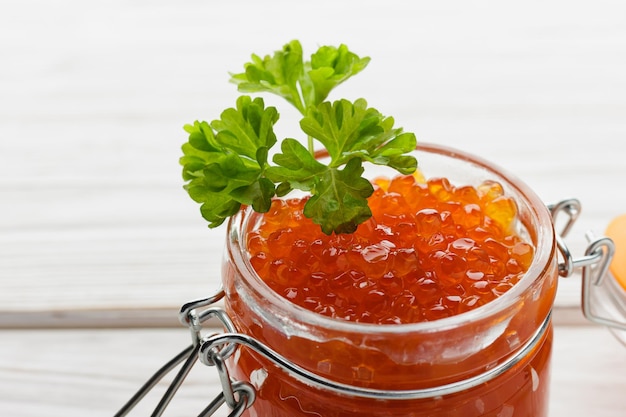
(296, 167)
(339, 196)
(339, 199)
(304, 84)
(351, 133)
(225, 161)
(280, 74)
(330, 67)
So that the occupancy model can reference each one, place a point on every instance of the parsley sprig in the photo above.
(225, 162)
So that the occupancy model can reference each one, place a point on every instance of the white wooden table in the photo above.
(99, 244)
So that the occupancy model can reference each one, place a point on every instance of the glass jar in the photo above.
(491, 361)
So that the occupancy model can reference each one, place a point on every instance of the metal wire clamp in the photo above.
(237, 395)
(599, 301)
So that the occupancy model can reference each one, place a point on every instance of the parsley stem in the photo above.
(310, 144)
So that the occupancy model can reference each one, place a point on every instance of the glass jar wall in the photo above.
(491, 361)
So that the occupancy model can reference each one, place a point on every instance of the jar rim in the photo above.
(544, 252)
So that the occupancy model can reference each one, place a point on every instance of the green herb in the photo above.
(226, 165)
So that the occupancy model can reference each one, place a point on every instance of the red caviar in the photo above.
(431, 250)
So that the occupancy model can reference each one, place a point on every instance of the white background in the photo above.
(95, 228)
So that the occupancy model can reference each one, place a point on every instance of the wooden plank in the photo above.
(164, 317)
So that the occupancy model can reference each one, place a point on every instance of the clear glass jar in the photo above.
(491, 361)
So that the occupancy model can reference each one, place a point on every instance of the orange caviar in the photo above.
(431, 250)
(431, 254)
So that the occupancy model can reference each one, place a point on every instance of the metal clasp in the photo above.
(237, 395)
(599, 304)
